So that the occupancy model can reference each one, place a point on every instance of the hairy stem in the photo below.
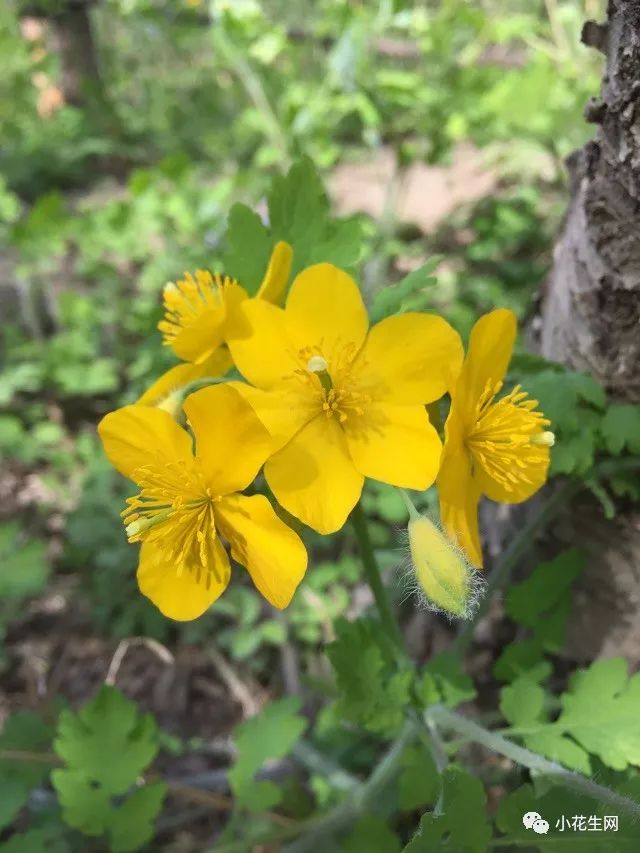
(452, 721)
(372, 572)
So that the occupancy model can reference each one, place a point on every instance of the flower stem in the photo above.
(497, 743)
(372, 572)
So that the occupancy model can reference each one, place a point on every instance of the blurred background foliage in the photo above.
(128, 128)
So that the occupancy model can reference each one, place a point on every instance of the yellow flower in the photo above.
(188, 502)
(342, 402)
(200, 312)
(498, 448)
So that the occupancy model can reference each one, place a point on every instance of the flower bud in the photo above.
(443, 574)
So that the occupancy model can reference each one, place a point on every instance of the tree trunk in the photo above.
(590, 320)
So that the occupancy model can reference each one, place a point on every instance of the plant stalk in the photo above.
(447, 719)
(374, 579)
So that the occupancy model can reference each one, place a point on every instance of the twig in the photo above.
(123, 647)
(239, 691)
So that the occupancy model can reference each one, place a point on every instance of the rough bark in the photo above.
(590, 320)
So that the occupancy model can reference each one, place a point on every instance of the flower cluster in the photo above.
(323, 401)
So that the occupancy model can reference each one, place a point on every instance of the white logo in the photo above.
(535, 821)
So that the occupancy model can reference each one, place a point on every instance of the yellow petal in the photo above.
(325, 309)
(140, 435)
(260, 344)
(182, 596)
(277, 274)
(520, 491)
(395, 444)
(313, 476)
(273, 554)
(459, 496)
(488, 355)
(217, 364)
(283, 411)
(409, 358)
(231, 442)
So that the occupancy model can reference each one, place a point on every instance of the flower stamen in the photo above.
(508, 438)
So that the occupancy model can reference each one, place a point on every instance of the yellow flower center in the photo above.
(174, 505)
(330, 382)
(508, 438)
(186, 300)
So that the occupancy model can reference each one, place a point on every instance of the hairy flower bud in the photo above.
(443, 575)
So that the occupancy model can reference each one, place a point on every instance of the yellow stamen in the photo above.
(186, 300)
(175, 507)
(508, 439)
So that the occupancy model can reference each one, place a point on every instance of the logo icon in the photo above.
(535, 821)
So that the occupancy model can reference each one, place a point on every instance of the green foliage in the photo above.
(259, 739)
(407, 295)
(371, 693)
(558, 805)
(22, 732)
(299, 214)
(443, 681)
(419, 782)
(23, 565)
(597, 717)
(100, 204)
(45, 840)
(105, 747)
(573, 402)
(24, 570)
(371, 833)
(620, 429)
(541, 603)
(461, 823)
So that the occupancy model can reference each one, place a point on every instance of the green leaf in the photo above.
(105, 747)
(371, 833)
(557, 805)
(23, 565)
(43, 840)
(523, 706)
(268, 736)
(393, 298)
(371, 692)
(132, 824)
(444, 681)
(299, 214)
(562, 395)
(522, 702)
(419, 782)
(462, 825)
(600, 711)
(248, 247)
(620, 428)
(523, 657)
(545, 588)
(23, 731)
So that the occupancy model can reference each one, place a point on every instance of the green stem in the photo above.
(496, 743)
(319, 831)
(372, 572)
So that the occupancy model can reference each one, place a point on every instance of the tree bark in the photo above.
(590, 320)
